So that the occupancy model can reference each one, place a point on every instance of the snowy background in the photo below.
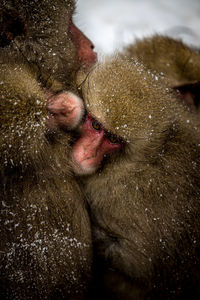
(111, 24)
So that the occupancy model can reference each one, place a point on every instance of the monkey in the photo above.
(45, 33)
(144, 199)
(46, 247)
(45, 229)
(179, 63)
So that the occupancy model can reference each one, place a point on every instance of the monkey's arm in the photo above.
(22, 115)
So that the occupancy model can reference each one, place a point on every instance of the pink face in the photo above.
(65, 110)
(94, 143)
(84, 46)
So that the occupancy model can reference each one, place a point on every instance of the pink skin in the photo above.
(90, 149)
(65, 111)
(84, 47)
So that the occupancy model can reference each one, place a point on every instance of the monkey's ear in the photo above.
(190, 93)
(12, 25)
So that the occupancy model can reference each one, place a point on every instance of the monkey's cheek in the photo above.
(75, 117)
(76, 110)
(88, 58)
(65, 110)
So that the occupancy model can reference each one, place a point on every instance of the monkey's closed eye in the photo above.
(113, 139)
(96, 125)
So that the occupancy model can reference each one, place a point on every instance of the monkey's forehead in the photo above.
(122, 96)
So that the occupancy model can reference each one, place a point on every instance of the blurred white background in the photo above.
(111, 24)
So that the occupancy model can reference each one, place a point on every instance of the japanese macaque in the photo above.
(145, 201)
(44, 33)
(179, 63)
(45, 236)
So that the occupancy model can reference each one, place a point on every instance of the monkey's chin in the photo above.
(82, 170)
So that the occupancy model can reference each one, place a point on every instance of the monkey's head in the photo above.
(128, 103)
(44, 33)
(179, 63)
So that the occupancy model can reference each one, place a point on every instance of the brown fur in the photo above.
(171, 58)
(145, 201)
(45, 247)
(45, 37)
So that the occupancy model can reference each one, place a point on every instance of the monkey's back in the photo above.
(145, 200)
(45, 233)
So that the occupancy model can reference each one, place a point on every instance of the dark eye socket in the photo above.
(113, 139)
(96, 125)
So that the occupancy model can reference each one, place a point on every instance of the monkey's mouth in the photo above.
(86, 167)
